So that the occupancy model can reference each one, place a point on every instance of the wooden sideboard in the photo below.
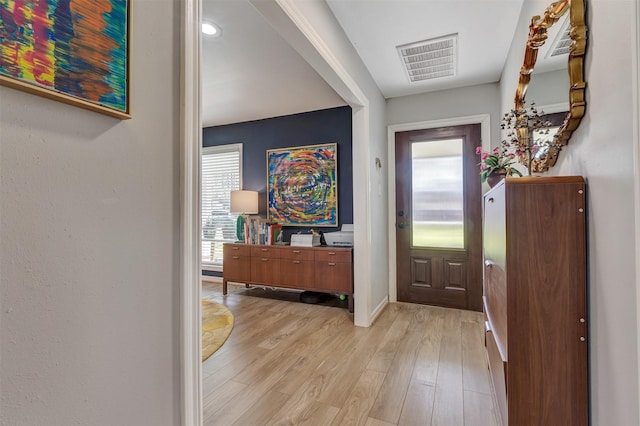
(535, 300)
(320, 269)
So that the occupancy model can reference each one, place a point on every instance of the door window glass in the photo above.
(436, 194)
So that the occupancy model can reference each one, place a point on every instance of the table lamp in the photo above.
(243, 202)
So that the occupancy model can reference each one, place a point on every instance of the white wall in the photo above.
(321, 18)
(379, 200)
(445, 104)
(89, 248)
(601, 150)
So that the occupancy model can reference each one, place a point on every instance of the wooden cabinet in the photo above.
(333, 270)
(321, 269)
(297, 268)
(535, 299)
(265, 265)
(237, 262)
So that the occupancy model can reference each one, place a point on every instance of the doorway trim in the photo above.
(190, 148)
(485, 125)
(290, 21)
(635, 94)
(302, 36)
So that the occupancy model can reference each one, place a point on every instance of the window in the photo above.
(437, 194)
(221, 174)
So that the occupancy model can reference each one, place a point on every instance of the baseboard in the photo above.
(378, 310)
(214, 268)
(210, 278)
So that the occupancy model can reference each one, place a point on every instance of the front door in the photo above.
(439, 217)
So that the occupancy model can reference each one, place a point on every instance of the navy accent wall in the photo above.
(309, 128)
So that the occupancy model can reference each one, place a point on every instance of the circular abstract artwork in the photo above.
(302, 185)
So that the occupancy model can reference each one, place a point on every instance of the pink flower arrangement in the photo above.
(496, 162)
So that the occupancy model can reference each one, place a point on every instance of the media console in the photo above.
(321, 269)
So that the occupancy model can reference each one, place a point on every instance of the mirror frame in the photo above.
(577, 104)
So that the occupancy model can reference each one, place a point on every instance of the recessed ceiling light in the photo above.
(209, 29)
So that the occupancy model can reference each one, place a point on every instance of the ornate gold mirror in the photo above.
(546, 156)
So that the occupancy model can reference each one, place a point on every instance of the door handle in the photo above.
(403, 224)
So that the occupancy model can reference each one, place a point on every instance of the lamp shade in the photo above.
(244, 202)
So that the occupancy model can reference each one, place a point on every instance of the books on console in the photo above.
(259, 231)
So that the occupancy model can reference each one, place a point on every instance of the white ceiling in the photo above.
(485, 30)
(249, 72)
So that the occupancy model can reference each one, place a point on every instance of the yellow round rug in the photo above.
(217, 323)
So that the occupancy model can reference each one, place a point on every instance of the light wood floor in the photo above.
(289, 363)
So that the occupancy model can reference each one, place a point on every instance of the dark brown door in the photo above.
(438, 217)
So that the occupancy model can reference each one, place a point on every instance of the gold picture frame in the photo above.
(77, 55)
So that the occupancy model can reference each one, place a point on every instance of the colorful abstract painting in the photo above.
(75, 51)
(303, 185)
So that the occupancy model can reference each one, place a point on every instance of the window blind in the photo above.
(221, 173)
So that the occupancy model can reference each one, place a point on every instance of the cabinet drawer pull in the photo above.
(332, 253)
(296, 261)
(235, 248)
(264, 249)
(491, 200)
(296, 251)
(236, 257)
(265, 259)
(331, 264)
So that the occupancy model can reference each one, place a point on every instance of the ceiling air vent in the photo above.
(428, 59)
(562, 43)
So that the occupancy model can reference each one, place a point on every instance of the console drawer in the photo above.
(237, 267)
(236, 250)
(333, 256)
(297, 273)
(265, 252)
(334, 276)
(265, 270)
(297, 254)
